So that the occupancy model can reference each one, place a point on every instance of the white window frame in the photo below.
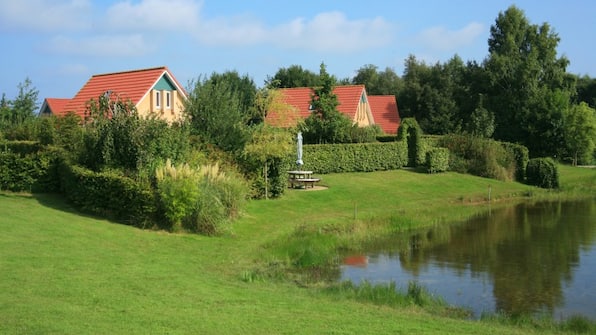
(158, 99)
(168, 100)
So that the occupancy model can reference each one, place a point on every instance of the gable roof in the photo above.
(385, 112)
(348, 97)
(53, 105)
(133, 85)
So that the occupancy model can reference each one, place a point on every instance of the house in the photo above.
(153, 91)
(294, 105)
(385, 112)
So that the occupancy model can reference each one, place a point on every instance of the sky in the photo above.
(60, 44)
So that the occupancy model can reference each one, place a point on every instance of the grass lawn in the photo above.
(66, 273)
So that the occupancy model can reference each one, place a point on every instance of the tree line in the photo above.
(520, 93)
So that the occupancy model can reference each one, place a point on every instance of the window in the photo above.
(168, 100)
(157, 99)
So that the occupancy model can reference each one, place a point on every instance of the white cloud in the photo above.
(45, 15)
(153, 15)
(442, 39)
(330, 31)
(102, 45)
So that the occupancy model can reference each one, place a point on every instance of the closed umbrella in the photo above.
(299, 162)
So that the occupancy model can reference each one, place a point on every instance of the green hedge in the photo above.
(521, 155)
(437, 160)
(542, 172)
(109, 194)
(359, 157)
(28, 166)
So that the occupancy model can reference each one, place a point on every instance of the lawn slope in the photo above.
(66, 273)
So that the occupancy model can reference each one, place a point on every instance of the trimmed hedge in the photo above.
(521, 155)
(437, 160)
(542, 172)
(28, 166)
(109, 194)
(410, 132)
(359, 157)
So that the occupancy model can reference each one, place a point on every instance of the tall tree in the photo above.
(580, 133)
(325, 124)
(293, 76)
(25, 104)
(216, 114)
(527, 89)
(243, 87)
(586, 90)
(385, 82)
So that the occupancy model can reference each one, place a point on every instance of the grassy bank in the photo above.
(66, 273)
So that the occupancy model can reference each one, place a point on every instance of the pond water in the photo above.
(529, 258)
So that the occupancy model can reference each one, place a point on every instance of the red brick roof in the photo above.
(385, 112)
(52, 105)
(348, 97)
(133, 85)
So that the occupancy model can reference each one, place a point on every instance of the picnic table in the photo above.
(301, 179)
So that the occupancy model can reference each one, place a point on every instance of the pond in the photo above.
(529, 258)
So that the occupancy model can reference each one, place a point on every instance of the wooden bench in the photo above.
(305, 182)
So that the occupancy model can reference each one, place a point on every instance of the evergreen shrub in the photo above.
(437, 160)
(542, 172)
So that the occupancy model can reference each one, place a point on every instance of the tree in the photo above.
(430, 92)
(527, 82)
(586, 90)
(580, 133)
(294, 76)
(216, 115)
(243, 87)
(385, 82)
(325, 124)
(25, 104)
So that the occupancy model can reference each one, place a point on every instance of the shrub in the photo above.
(542, 172)
(410, 132)
(178, 191)
(479, 156)
(200, 200)
(437, 160)
(521, 156)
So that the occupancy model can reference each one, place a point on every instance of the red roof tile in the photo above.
(133, 85)
(348, 97)
(55, 104)
(385, 112)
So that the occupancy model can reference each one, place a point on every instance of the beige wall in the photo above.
(363, 115)
(148, 106)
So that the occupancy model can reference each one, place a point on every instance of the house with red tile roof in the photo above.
(153, 91)
(385, 112)
(294, 105)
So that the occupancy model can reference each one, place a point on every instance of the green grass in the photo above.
(66, 273)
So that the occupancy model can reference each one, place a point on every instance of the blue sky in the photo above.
(60, 44)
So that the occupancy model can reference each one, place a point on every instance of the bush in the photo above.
(410, 132)
(542, 172)
(437, 160)
(521, 156)
(200, 200)
(479, 156)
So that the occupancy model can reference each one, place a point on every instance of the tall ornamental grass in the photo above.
(202, 200)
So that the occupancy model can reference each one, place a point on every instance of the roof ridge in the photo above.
(131, 71)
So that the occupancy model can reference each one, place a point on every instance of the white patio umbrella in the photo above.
(299, 162)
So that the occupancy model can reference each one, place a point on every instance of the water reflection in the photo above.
(531, 257)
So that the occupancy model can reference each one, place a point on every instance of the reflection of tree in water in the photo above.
(528, 250)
